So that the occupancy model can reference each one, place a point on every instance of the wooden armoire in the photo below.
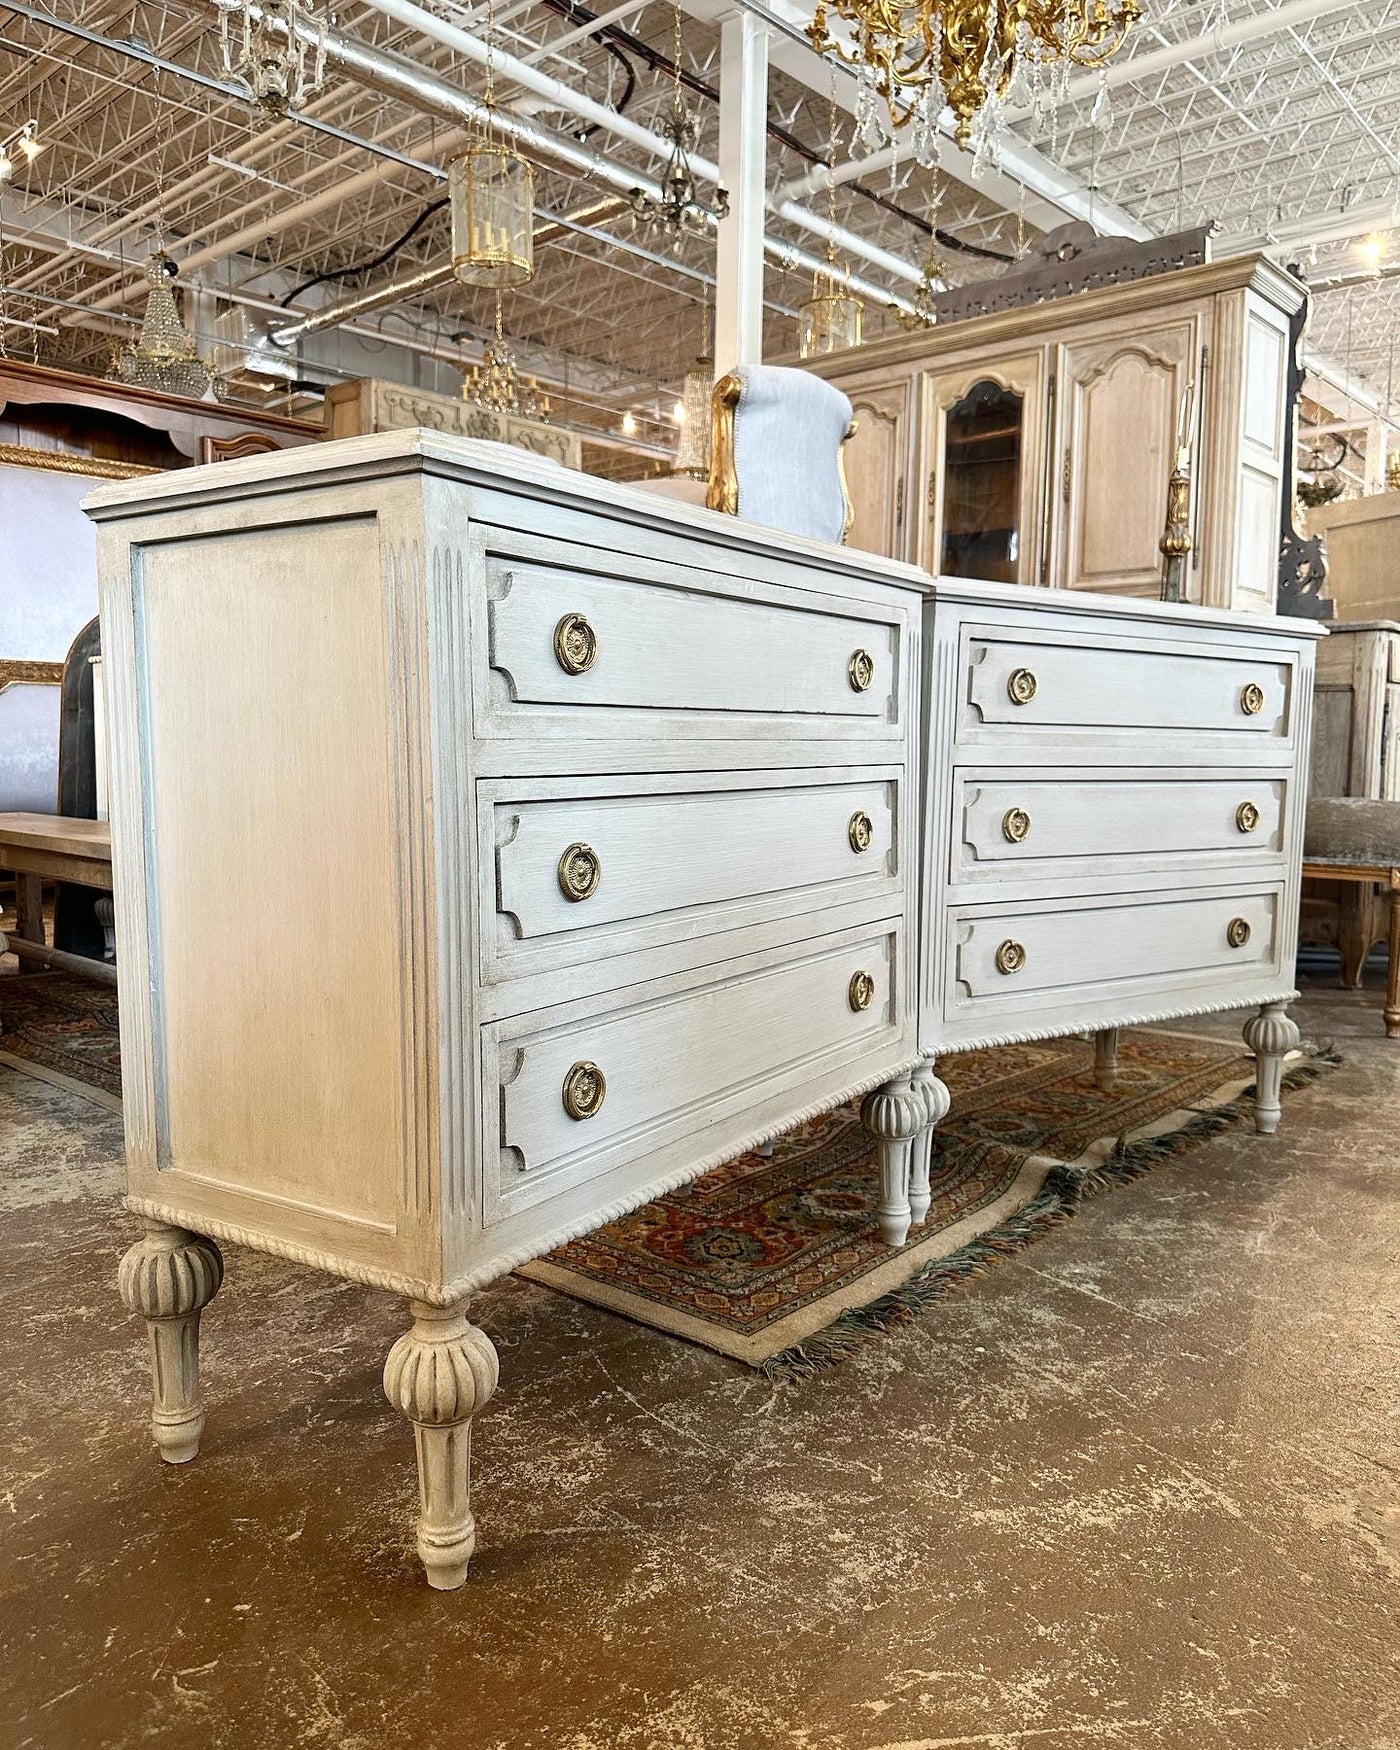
(1033, 445)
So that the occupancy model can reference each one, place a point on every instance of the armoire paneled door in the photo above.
(1119, 406)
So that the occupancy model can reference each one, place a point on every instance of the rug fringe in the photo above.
(1053, 1205)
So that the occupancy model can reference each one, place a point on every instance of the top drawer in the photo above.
(601, 645)
(1151, 699)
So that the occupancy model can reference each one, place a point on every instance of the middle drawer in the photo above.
(1027, 826)
(600, 866)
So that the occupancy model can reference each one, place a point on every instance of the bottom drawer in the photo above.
(581, 1094)
(1079, 954)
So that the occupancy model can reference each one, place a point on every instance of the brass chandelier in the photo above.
(969, 54)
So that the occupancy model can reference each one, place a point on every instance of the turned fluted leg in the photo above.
(894, 1114)
(1270, 1035)
(936, 1101)
(1106, 1059)
(439, 1375)
(169, 1276)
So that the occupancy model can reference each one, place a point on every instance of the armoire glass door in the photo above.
(982, 484)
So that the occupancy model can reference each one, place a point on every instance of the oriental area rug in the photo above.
(778, 1261)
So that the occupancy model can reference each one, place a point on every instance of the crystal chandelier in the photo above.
(693, 441)
(678, 211)
(276, 48)
(495, 384)
(165, 357)
(831, 319)
(973, 55)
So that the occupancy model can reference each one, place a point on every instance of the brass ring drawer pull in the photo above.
(1011, 956)
(1251, 699)
(575, 644)
(1237, 932)
(861, 831)
(585, 1089)
(1016, 824)
(1246, 817)
(1021, 686)
(860, 670)
(580, 870)
(860, 992)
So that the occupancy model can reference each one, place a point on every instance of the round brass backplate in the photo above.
(1011, 956)
(860, 992)
(585, 1089)
(1246, 817)
(1237, 932)
(1251, 699)
(579, 872)
(861, 831)
(860, 670)
(1021, 686)
(1015, 824)
(575, 644)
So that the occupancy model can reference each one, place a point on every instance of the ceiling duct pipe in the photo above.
(510, 70)
(427, 92)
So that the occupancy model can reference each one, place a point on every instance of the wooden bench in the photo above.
(53, 847)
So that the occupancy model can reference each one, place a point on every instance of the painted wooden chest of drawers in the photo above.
(1112, 828)
(496, 848)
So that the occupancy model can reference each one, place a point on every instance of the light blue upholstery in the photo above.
(788, 428)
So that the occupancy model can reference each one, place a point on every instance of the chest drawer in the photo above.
(1071, 958)
(577, 1097)
(603, 866)
(1028, 826)
(666, 652)
(1154, 701)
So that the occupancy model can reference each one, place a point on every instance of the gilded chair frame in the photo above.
(723, 491)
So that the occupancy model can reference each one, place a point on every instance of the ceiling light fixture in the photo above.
(23, 140)
(974, 55)
(678, 212)
(276, 49)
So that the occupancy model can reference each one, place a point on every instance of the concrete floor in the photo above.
(1139, 1487)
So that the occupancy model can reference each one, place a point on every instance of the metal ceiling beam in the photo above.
(512, 71)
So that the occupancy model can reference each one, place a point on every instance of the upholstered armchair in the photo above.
(776, 446)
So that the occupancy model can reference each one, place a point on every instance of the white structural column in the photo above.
(743, 117)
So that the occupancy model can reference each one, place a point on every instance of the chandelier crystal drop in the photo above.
(165, 357)
(693, 443)
(980, 57)
(276, 49)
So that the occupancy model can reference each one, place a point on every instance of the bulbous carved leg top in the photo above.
(169, 1276)
(439, 1374)
(1270, 1035)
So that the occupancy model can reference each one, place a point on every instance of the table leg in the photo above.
(894, 1114)
(937, 1100)
(1392, 976)
(1270, 1035)
(439, 1375)
(1106, 1059)
(169, 1276)
(29, 915)
(1354, 932)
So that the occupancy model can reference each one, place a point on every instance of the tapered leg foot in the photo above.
(1106, 1059)
(169, 1276)
(439, 1375)
(894, 1114)
(1270, 1035)
(937, 1100)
